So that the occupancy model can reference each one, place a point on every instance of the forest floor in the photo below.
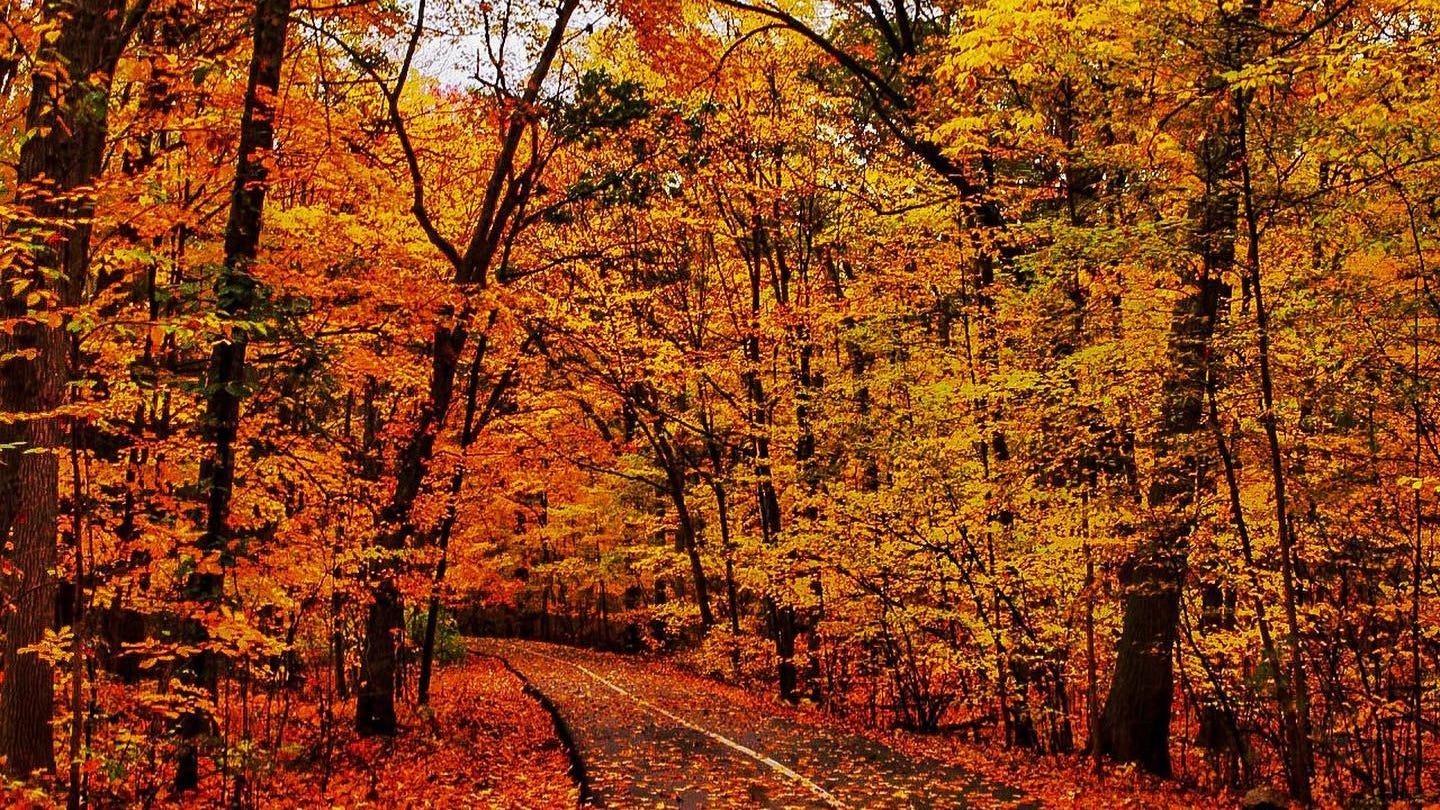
(653, 735)
(484, 743)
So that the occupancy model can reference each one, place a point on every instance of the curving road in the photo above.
(651, 740)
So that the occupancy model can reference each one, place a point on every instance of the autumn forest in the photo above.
(420, 403)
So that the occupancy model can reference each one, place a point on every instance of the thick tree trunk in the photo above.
(28, 692)
(70, 122)
(1136, 721)
(1135, 726)
(375, 692)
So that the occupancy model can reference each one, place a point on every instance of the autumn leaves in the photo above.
(1039, 370)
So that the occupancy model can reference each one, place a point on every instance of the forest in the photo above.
(1049, 379)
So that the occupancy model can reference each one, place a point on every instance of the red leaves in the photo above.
(482, 743)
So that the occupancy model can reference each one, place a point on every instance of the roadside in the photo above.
(484, 744)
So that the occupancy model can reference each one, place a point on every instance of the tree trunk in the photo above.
(70, 122)
(475, 421)
(767, 502)
(684, 521)
(506, 191)
(28, 692)
(1092, 691)
(688, 540)
(1135, 726)
(384, 624)
(236, 293)
(375, 692)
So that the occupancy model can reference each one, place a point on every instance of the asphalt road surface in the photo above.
(651, 740)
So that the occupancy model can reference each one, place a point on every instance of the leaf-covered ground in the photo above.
(485, 744)
(1058, 782)
(652, 734)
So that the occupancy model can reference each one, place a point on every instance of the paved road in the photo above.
(652, 740)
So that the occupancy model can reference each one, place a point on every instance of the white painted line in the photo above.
(824, 795)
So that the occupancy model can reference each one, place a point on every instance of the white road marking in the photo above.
(823, 794)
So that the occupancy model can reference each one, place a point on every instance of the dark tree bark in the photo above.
(506, 193)
(476, 419)
(236, 294)
(1135, 726)
(782, 615)
(675, 469)
(385, 621)
(689, 542)
(70, 119)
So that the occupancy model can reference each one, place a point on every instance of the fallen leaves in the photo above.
(483, 743)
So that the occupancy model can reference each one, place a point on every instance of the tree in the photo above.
(237, 295)
(68, 113)
(506, 193)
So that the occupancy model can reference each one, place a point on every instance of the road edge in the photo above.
(562, 731)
